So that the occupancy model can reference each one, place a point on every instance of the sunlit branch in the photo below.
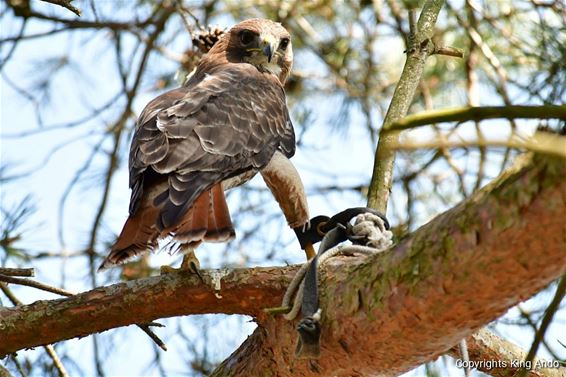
(540, 142)
(465, 114)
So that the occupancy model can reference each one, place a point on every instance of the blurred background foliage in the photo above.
(72, 88)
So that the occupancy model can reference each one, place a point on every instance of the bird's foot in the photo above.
(190, 263)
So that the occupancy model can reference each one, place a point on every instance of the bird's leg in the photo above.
(189, 263)
(309, 251)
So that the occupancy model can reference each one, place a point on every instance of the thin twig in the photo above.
(56, 360)
(532, 324)
(35, 284)
(65, 4)
(13, 299)
(448, 51)
(472, 91)
(18, 366)
(80, 24)
(17, 39)
(27, 272)
(183, 11)
(145, 328)
(546, 320)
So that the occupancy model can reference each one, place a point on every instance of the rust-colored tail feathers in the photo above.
(139, 235)
(208, 219)
(220, 227)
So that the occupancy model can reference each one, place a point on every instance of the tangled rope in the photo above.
(367, 227)
(369, 236)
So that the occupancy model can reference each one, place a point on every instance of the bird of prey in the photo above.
(228, 122)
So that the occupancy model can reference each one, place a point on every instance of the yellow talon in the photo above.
(309, 250)
(189, 263)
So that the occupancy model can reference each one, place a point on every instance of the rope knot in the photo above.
(370, 230)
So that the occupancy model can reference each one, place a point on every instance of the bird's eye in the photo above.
(284, 43)
(247, 37)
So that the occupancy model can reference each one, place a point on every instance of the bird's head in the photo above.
(262, 43)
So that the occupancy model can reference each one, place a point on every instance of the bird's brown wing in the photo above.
(232, 121)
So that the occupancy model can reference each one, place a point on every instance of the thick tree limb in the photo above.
(457, 273)
(243, 291)
(382, 315)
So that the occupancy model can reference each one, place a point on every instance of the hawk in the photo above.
(228, 122)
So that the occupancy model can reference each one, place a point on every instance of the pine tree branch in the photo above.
(384, 314)
(420, 47)
(464, 114)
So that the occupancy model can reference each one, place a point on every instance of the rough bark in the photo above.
(242, 291)
(455, 274)
(381, 315)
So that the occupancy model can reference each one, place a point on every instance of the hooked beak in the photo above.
(269, 46)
